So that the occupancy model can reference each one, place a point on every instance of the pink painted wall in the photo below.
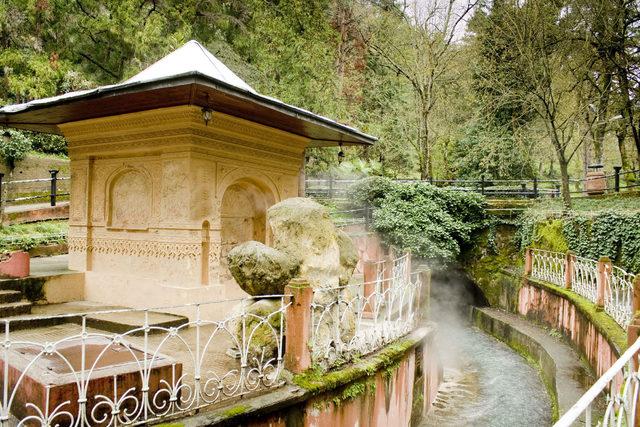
(559, 313)
(389, 403)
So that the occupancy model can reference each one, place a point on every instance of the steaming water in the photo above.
(485, 382)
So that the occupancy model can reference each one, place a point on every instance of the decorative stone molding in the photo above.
(148, 249)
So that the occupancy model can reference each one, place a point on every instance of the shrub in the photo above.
(15, 149)
(370, 191)
(433, 223)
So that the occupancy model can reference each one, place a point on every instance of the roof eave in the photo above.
(359, 138)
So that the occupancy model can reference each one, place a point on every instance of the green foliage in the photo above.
(370, 191)
(615, 234)
(432, 222)
(48, 144)
(26, 236)
(15, 149)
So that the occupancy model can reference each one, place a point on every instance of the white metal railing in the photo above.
(584, 278)
(618, 284)
(354, 320)
(621, 406)
(144, 374)
(548, 266)
(618, 301)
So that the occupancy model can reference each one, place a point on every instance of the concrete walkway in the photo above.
(32, 207)
(50, 266)
(573, 375)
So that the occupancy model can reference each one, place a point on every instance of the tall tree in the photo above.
(416, 39)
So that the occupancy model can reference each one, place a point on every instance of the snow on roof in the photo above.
(191, 57)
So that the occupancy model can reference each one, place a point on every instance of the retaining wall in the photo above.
(394, 387)
(593, 333)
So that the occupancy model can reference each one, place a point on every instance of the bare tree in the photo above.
(423, 55)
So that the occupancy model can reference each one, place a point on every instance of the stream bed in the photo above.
(486, 384)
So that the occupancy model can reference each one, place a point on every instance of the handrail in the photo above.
(584, 403)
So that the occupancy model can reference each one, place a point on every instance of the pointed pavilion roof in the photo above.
(192, 57)
(190, 75)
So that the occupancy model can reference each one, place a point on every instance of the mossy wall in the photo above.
(488, 261)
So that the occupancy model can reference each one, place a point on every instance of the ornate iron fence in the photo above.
(548, 266)
(584, 279)
(80, 376)
(354, 320)
(618, 299)
(598, 281)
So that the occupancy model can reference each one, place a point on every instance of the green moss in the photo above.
(170, 425)
(317, 381)
(549, 236)
(235, 411)
(350, 392)
(604, 323)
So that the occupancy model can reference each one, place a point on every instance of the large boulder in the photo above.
(302, 227)
(262, 331)
(348, 256)
(261, 270)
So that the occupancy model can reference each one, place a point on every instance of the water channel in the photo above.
(485, 382)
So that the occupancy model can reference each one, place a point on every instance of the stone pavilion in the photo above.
(172, 168)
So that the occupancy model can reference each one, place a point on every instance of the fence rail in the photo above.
(354, 320)
(622, 379)
(602, 283)
(524, 188)
(10, 191)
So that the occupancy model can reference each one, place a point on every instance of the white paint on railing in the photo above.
(194, 373)
(622, 408)
(551, 267)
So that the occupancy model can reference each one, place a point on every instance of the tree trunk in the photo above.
(564, 176)
(425, 144)
(601, 124)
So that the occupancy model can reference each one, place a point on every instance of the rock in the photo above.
(348, 257)
(261, 330)
(261, 270)
(302, 227)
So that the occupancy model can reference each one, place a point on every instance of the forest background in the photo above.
(453, 89)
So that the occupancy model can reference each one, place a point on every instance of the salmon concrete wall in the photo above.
(401, 396)
(541, 304)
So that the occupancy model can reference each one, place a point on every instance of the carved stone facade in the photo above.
(158, 198)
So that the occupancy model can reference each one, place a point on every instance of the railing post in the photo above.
(635, 303)
(616, 184)
(424, 297)
(482, 185)
(297, 356)
(54, 186)
(604, 265)
(528, 262)
(535, 187)
(568, 269)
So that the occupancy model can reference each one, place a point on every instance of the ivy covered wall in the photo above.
(611, 233)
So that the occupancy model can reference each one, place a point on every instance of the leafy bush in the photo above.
(15, 149)
(371, 191)
(49, 144)
(433, 223)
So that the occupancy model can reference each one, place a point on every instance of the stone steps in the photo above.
(11, 309)
(9, 296)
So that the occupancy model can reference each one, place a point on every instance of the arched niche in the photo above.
(243, 214)
(129, 200)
